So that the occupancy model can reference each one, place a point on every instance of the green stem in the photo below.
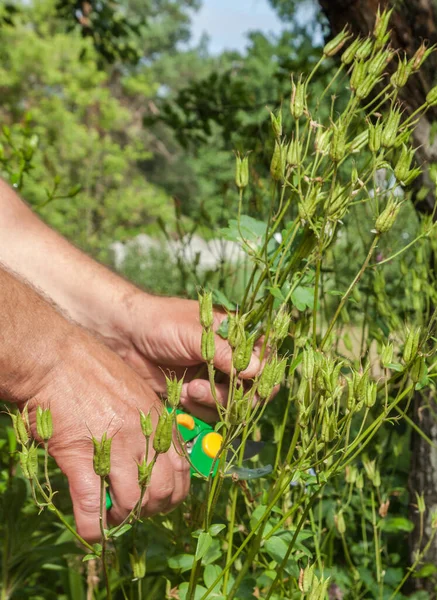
(62, 518)
(349, 290)
(103, 540)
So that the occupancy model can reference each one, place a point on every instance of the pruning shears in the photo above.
(203, 445)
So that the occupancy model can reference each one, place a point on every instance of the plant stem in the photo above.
(349, 291)
(102, 532)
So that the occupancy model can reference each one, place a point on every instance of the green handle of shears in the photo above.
(193, 430)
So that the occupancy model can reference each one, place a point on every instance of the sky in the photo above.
(227, 21)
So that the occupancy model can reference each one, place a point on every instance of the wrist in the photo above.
(29, 355)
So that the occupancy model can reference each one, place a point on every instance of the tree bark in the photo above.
(413, 22)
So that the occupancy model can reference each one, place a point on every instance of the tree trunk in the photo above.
(412, 22)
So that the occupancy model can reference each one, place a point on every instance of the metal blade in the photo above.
(251, 449)
(245, 474)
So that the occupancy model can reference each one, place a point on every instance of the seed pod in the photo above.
(412, 175)
(336, 205)
(431, 97)
(242, 171)
(164, 433)
(44, 423)
(243, 353)
(298, 99)
(20, 429)
(340, 523)
(328, 428)
(412, 342)
(144, 473)
(281, 324)
(205, 309)
(138, 564)
(359, 73)
(371, 395)
(146, 424)
(236, 409)
(379, 62)
(386, 356)
(418, 369)
(365, 49)
(322, 142)
(174, 389)
(381, 25)
(367, 86)
(351, 474)
(402, 168)
(308, 364)
(276, 120)
(338, 142)
(400, 76)
(279, 371)
(390, 130)
(277, 165)
(361, 384)
(420, 56)
(360, 481)
(102, 455)
(306, 579)
(387, 218)
(421, 505)
(266, 380)
(235, 329)
(208, 345)
(294, 153)
(375, 136)
(349, 54)
(336, 44)
(377, 478)
(307, 208)
(29, 461)
(370, 468)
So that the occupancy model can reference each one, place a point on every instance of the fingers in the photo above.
(124, 488)
(223, 359)
(169, 485)
(85, 495)
(197, 398)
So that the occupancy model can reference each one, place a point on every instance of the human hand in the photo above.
(165, 333)
(92, 391)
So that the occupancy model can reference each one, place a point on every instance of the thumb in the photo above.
(85, 494)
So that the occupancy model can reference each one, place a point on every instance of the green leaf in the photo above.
(210, 575)
(182, 562)
(396, 367)
(394, 524)
(199, 592)
(203, 543)
(303, 297)
(276, 292)
(216, 528)
(88, 557)
(223, 330)
(121, 531)
(276, 547)
(425, 571)
(249, 230)
(218, 297)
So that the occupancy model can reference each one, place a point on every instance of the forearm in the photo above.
(33, 335)
(86, 290)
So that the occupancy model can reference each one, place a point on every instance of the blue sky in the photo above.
(227, 21)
